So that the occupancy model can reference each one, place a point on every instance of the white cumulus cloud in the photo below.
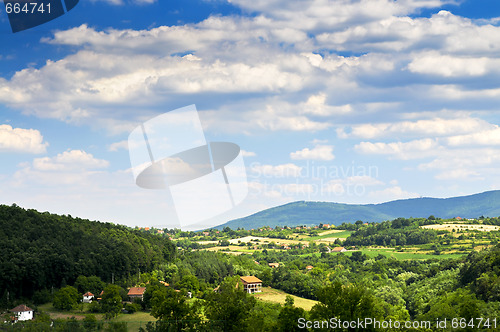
(401, 150)
(319, 152)
(69, 160)
(21, 140)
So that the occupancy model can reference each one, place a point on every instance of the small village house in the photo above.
(22, 313)
(87, 297)
(274, 265)
(136, 293)
(309, 267)
(251, 284)
(339, 249)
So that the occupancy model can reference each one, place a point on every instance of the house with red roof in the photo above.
(22, 313)
(87, 297)
(136, 293)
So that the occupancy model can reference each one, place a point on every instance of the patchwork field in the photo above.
(234, 250)
(409, 253)
(252, 239)
(328, 236)
(463, 227)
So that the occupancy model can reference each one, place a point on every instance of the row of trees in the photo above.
(400, 231)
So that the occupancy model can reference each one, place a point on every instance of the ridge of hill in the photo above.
(314, 213)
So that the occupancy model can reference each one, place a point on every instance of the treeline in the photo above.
(43, 251)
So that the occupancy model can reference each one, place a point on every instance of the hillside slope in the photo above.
(42, 250)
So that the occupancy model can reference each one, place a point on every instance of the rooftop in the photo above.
(136, 291)
(21, 308)
(250, 280)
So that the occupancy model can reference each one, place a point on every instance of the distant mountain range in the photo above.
(314, 213)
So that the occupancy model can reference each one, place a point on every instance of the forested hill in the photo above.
(43, 250)
(314, 213)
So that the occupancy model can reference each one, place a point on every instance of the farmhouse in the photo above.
(251, 284)
(339, 249)
(87, 297)
(22, 312)
(136, 293)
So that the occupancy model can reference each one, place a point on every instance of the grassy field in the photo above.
(278, 296)
(266, 240)
(329, 235)
(57, 314)
(135, 321)
(390, 252)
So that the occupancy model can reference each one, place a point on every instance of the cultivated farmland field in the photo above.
(278, 296)
(463, 227)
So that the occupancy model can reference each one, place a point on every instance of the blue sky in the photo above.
(346, 101)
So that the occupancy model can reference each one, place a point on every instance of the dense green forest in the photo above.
(399, 232)
(44, 251)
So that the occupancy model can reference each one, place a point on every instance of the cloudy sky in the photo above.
(353, 101)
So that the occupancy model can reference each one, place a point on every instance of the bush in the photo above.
(66, 298)
(90, 323)
(132, 307)
(94, 307)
